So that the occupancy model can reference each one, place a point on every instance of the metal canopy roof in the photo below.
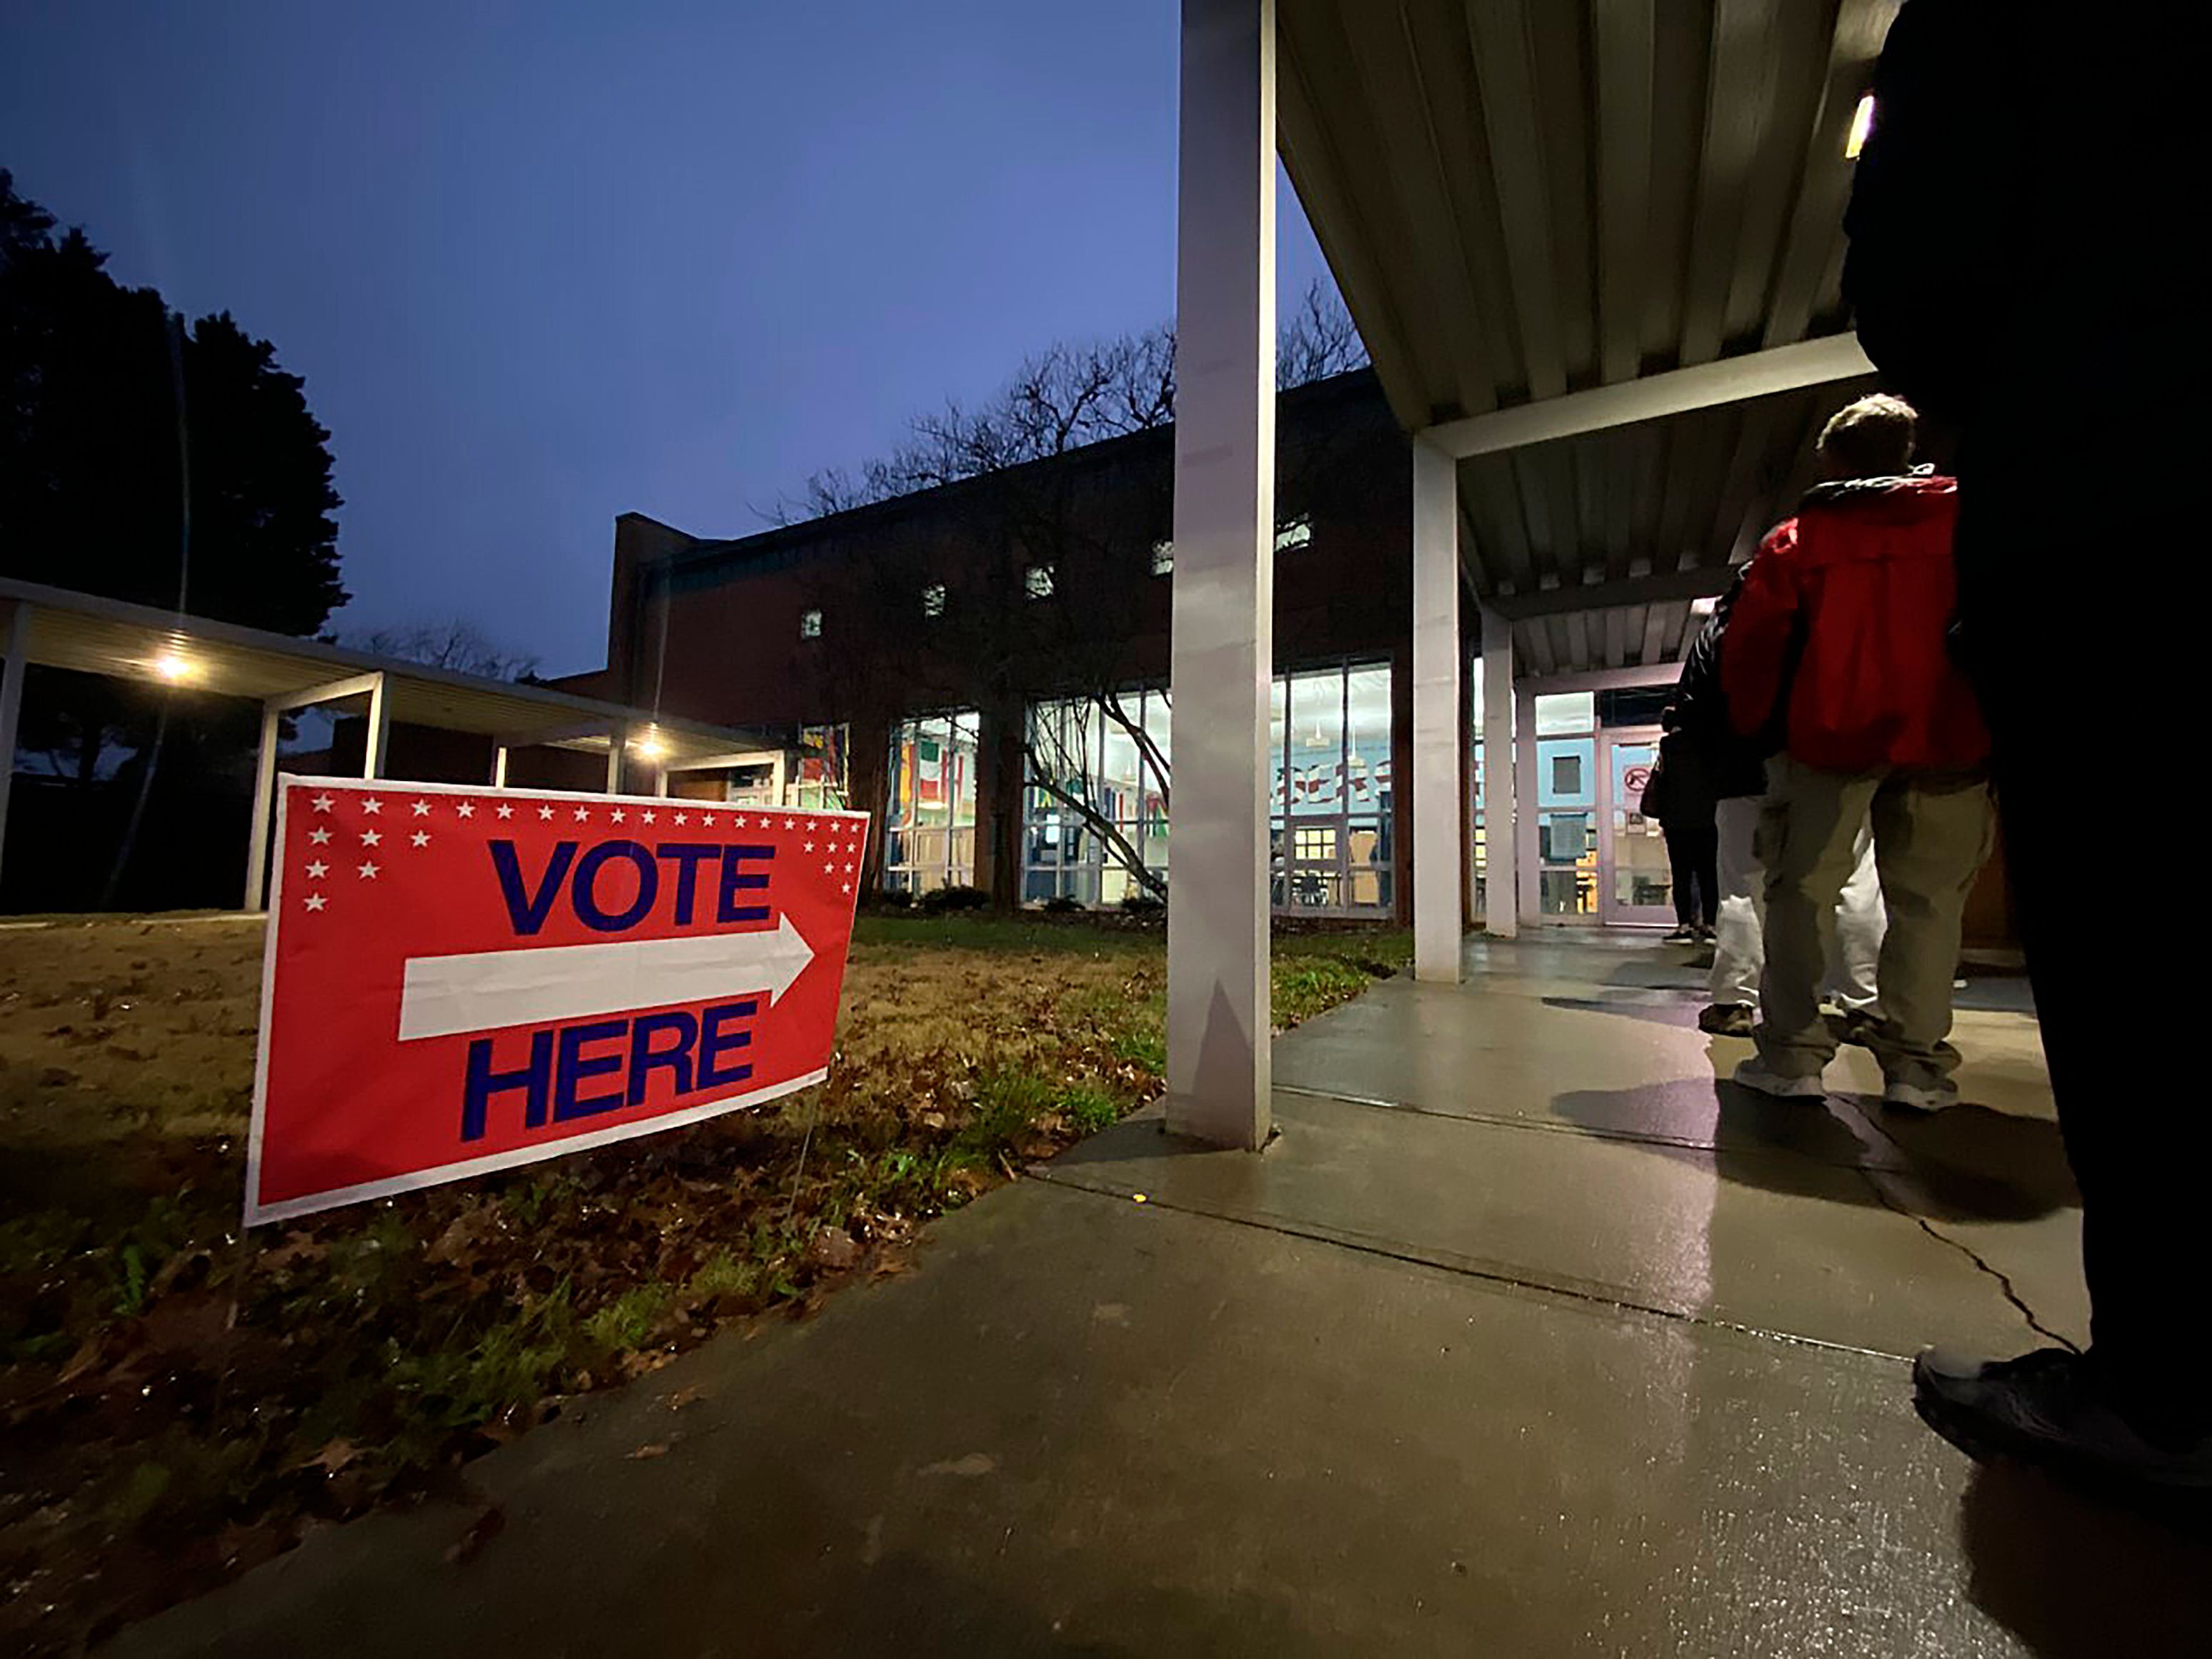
(1523, 199)
(100, 636)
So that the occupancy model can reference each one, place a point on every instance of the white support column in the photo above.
(16, 640)
(1501, 915)
(660, 781)
(1219, 1013)
(618, 740)
(264, 785)
(499, 754)
(379, 730)
(1528, 838)
(1439, 806)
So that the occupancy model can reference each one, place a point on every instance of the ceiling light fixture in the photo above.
(1862, 124)
(175, 667)
(649, 748)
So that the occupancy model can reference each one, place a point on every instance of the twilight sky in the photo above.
(542, 264)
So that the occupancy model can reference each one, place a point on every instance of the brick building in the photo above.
(981, 665)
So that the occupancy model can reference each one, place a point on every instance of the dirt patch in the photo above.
(176, 1402)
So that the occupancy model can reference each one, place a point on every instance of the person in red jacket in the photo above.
(1840, 651)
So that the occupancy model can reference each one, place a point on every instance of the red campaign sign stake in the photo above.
(458, 980)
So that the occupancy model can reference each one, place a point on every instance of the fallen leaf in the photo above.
(333, 1457)
(690, 1395)
(651, 1449)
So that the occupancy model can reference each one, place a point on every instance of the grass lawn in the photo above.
(176, 1402)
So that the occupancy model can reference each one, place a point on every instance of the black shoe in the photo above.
(1684, 934)
(1727, 1019)
(2042, 1408)
(1857, 1026)
(1706, 936)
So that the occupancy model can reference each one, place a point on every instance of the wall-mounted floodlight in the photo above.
(1862, 124)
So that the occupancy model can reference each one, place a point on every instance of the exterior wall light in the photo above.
(175, 667)
(1862, 124)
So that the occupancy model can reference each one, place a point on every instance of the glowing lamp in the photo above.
(1862, 124)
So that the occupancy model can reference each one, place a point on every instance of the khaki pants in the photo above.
(1931, 835)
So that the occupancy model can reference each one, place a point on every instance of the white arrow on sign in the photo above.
(490, 990)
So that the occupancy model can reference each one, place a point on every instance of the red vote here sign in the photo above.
(458, 980)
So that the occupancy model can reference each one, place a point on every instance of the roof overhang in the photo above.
(93, 634)
(1596, 251)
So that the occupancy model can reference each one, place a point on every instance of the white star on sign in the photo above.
(683, 818)
(321, 803)
(422, 809)
(317, 870)
(370, 837)
(809, 846)
(369, 871)
(849, 869)
(372, 805)
(791, 823)
(419, 838)
(616, 815)
(505, 811)
(545, 811)
(319, 835)
(582, 815)
(828, 869)
(706, 818)
(849, 887)
(467, 809)
(647, 815)
(740, 820)
(315, 901)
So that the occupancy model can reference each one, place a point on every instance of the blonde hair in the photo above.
(1871, 438)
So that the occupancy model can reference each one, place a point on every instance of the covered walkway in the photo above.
(1591, 1358)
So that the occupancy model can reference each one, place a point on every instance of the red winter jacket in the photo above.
(1857, 591)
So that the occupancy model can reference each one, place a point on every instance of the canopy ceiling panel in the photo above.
(1525, 197)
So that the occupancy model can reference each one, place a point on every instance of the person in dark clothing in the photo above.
(2015, 269)
(1680, 796)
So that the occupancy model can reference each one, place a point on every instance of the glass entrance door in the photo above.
(1636, 884)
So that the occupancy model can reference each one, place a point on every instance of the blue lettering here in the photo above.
(697, 1052)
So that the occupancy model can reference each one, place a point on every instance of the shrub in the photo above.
(1063, 904)
(1142, 904)
(940, 900)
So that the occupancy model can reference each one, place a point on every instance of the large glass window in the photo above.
(1095, 798)
(822, 779)
(1333, 827)
(929, 825)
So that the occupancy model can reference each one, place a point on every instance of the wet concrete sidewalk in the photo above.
(1524, 1339)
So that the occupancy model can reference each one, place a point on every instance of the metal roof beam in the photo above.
(330, 691)
(1656, 397)
(1701, 582)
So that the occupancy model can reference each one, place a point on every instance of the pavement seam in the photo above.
(1582, 1131)
(2003, 1280)
(1464, 1268)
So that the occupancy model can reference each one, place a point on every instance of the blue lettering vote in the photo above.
(617, 905)
(698, 1054)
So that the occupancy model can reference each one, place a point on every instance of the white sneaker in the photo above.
(1754, 1074)
(1920, 1097)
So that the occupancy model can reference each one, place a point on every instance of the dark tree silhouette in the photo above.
(143, 460)
(112, 408)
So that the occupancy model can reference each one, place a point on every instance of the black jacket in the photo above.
(1732, 766)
